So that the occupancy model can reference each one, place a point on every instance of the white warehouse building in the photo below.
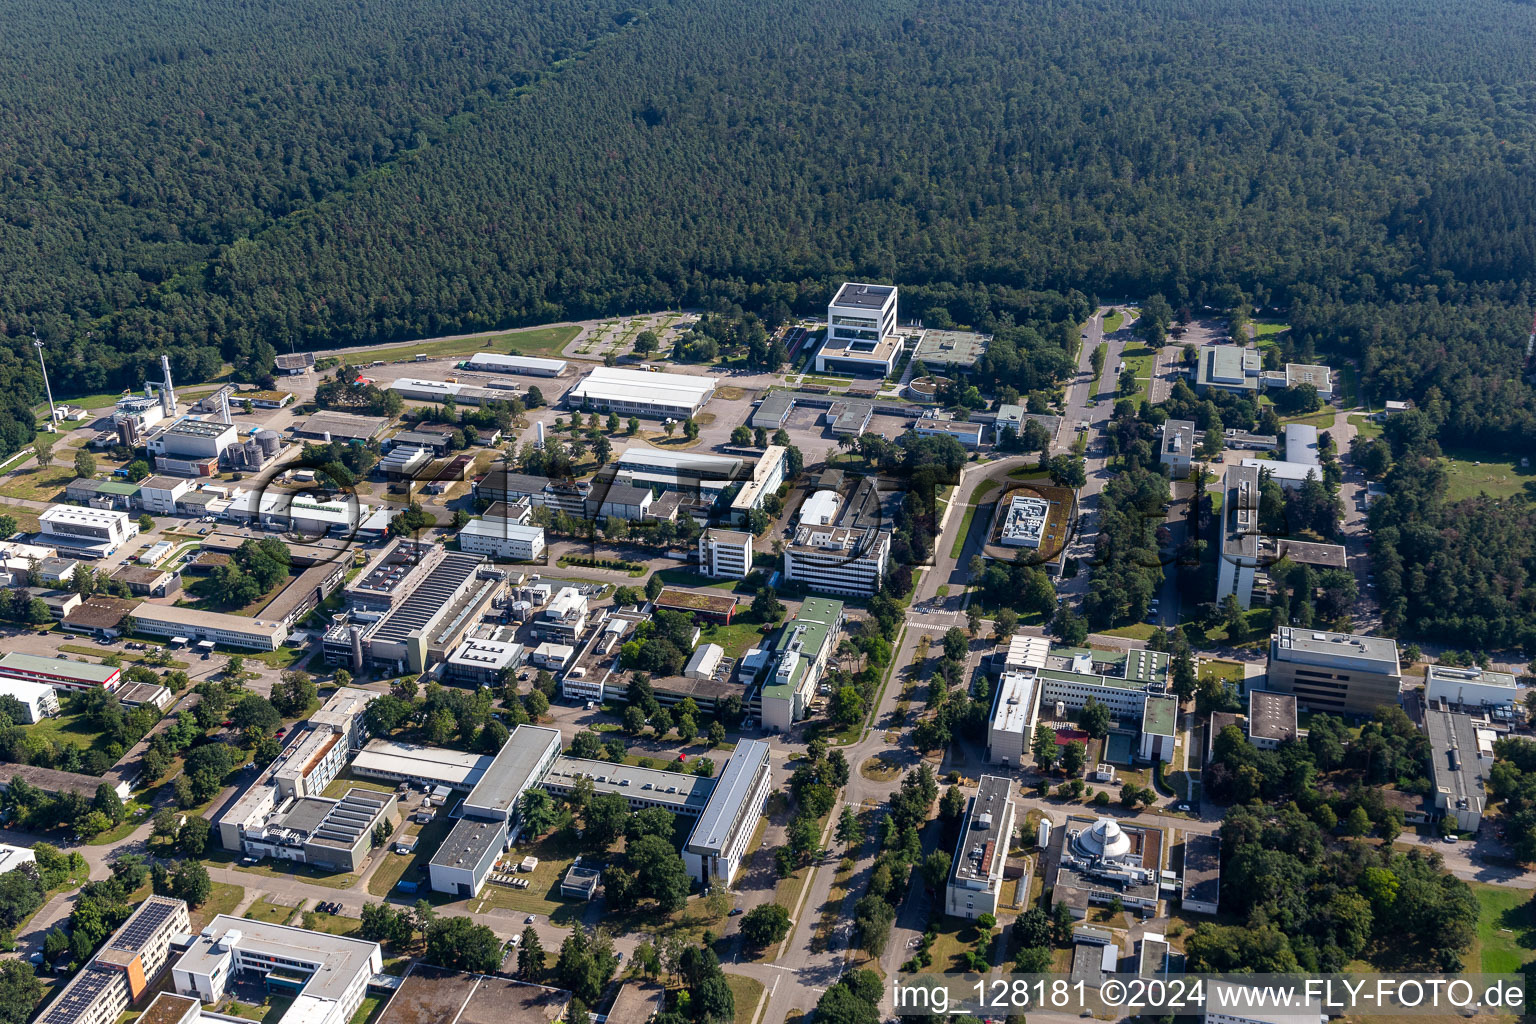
(642, 393)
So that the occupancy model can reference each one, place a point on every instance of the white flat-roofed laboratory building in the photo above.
(527, 366)
(202, 439)
(642, 393)
(481, 662)
(720, 838)
(327, 975)
(502, 538)
(1014, 714)
(97, 530)
(1024, 524)
(1468, 687)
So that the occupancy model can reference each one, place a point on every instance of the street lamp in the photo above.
(53, 414)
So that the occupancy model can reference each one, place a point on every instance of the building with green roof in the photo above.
(799, 657)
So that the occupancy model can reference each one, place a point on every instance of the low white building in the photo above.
(158, 494)
(13, 857)
(92, 531)
(1470, 687)
(502, 538)
(327, 975)
(553, 656)
(705, 661)
(642, 393)
(725, 553)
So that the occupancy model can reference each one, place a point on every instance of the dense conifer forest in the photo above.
(217, 177)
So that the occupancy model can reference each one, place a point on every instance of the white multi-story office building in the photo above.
(839, 560)
(725, 553)
(38, 698)
(764, 477)
(1470, 687)
(1178, 447)
(861, 331)
(976, 872)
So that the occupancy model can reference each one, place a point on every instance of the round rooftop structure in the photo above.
(1105, 839)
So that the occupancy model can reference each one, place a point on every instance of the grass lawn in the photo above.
(747, 992)
(280, 659)
(223, 900)
(1114, 322)
(1230, 671)
(1322, 419)
(736, 638)
(539, 341)
(1470, 472)
(270, 1009)
(954, 937)
(1267, 332)
(288, 869)
(331, 924)
(68, 728)
(38, 484)
(1506, 933)
(878, 769)
(368, 1009)
(268, 912)
(1135, 631)
(403, 865)
(1364, 425)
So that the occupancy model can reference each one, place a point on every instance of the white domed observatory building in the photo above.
(1102, 859)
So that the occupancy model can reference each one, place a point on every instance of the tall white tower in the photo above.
(167, 390)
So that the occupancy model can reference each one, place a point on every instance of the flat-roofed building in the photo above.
(431, 995)
(564, 618)
(464, 860)
(636, 1003)
(190, 438)
(861, 331)
(334, 835)
(1178, 447)
(621, 501)
(642, 393)
(950, 351)
(1471, 687)
(125, 969)
(503, 539)
(1025, 652)
(725, 553)
(340, 426)
(59, 673)
(1271, 718)
(1202, 873)
(1159, 725)
(481, 662)
(1239, 534)
(424, 628)
(326, 976)
(715, 848)
(764, 477)
(392, 574)
(1024, 521)
(1120, 680)
(55, 782)
(689, 472)
(1228, 368)
(424, 766)
(524, 366)
(91, 532)
(1102, 860)
(1015, 711)
(1461, 759)
(216, 627)
(839, 560)
(1231, 1002)
(704, 662)
(1334, 672)
(39, 699)
(118, 494)
(147, 581)
(1320, 377)
(800, 656)
(711, 607)
(517, 768)
(685, 795)
(968, 433)
(552, 656)
(100, 616)
(981, 855)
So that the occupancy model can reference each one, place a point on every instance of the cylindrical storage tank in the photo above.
(269, 441)
(254, 456)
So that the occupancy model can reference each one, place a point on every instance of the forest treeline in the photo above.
(218, 177)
